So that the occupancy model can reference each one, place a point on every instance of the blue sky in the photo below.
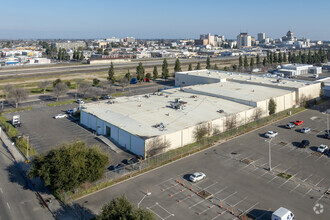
(162, 19)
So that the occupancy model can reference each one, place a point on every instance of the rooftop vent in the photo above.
(160, 126)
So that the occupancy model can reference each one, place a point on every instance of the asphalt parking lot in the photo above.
(45, 132)
(237, 178)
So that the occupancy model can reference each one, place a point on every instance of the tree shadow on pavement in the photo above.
(73, 211)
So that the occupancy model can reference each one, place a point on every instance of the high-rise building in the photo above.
(243, 40)
(208, 37)
(261, 37)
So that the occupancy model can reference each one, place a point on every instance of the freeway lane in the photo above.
(87, 68)
(16, 201)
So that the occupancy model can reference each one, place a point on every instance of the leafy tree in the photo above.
(198, 67)
(264, 61)
(17, 95)
(234, 67)
(271, 58)
(106, 52)
(177, 67)
(252, 62)
(57, 81)
(216, 67)
(120, 208)
(96, 82)
(246, 64)
(190, 67)
(128, 75)
(69, 166)
(284, 58)
(208, 63)
(140, 72)
(148, 75)
(155, 73)
(226, 68)
(274, 57)
(240, 63)
(111, 73)
(99, 50)
(200, 132)
(60, 90)
(165, 73)
(280, 57)
(271, 106)
(258, 60)
(82, 57)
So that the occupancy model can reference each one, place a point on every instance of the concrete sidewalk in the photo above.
(56, 207)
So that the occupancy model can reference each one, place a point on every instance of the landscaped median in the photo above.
(15, 136)
(111, 177)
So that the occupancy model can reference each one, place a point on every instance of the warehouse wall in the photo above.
(310, 91)
(122, 137)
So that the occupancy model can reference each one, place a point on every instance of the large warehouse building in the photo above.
(208, 97)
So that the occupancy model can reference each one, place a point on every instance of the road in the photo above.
(16, 200)
(10, 72)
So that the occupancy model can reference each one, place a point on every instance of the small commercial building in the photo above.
(299, 69)
(204, 97)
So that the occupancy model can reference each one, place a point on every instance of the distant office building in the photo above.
(261, 37)
(205, 39)
(130, 39)
(113, 40)
(243, 40)
(70, 44)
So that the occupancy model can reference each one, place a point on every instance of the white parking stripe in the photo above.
(307, 177)
(8, 205)
(239, 202)
(211, 185)
(319, 181)
(229, 196)
(295, 188)
(307, 192)
(272, 179)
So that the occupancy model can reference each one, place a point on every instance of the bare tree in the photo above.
(43, 85)
(84, 88)
(231, 122)
(257, 114)
(123, 82)
(17, 95)
(60, 90)
(78, 83)
(157, 146)
(106, 86)
(6, 89)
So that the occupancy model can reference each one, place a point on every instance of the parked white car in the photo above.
(60, 116)
(197, 176)
(305, 130)
(322, 148)
(271, 134)
(282, 214)
(80, 101)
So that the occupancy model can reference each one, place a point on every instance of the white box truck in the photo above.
(16, 121)
(282, 214)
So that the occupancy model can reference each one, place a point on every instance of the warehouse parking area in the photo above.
(238, 183)
(46, 133)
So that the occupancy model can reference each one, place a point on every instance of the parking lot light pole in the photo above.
(327, 120)
(269, 154)
(147, 194)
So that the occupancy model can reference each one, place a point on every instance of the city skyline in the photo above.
(153, 20)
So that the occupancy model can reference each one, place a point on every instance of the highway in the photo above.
(20, 71)
(16, 200)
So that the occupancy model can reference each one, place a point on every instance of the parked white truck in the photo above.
(282, 214)
(16, 121)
